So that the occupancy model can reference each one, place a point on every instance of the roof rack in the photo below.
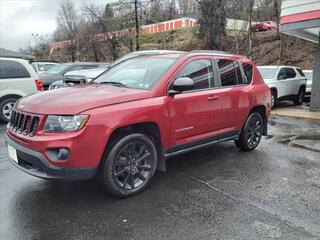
(212, 51)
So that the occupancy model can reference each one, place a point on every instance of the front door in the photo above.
(192, 113)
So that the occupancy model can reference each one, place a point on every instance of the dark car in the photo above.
(56, 73)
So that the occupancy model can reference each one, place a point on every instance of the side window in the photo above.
(11, 69)
(200, 71)
(282, 74)
(227, 72)
(239, 74)
(291, 73)
(247, 68)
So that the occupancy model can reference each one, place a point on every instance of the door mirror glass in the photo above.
(182, 84)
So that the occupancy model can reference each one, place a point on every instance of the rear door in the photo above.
(235, 102)
(195, 115)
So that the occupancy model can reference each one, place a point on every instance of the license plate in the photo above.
(12, 153)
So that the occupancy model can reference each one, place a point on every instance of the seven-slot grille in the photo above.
(24, 123)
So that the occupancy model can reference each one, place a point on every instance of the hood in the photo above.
(76, 99)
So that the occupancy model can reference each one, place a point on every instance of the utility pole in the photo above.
(137, 24)
(35, 35)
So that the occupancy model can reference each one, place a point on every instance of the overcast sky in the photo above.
(20, 18)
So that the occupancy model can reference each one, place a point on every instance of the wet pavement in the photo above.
(214, 193)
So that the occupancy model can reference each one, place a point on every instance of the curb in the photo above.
(295, 116)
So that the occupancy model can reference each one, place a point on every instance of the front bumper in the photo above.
(34, 163)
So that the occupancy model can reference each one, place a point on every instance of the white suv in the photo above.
(285, 82)
(17, 79)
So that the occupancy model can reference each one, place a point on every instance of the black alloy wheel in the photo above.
(130, 165)
(251, 134)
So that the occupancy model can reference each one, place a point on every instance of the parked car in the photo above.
(17, 79)
(78, 76)
(56, 73)
(123, 126)
(41, 67)
(309, 76)
(264, 26)
(285, 82)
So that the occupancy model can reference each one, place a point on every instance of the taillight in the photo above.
(39, 85)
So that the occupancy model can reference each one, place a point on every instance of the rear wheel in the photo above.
(130, 165)
(251, 133)
(298, 100)
(6, 107)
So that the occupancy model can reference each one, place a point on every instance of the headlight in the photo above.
(73, 123)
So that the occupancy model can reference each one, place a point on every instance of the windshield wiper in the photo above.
(118, 84)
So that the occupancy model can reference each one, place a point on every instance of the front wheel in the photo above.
(251, 133)
(130, 165)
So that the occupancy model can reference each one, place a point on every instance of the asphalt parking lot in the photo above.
(215, 193)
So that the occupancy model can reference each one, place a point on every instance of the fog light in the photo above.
(58, 154)
(63, 154)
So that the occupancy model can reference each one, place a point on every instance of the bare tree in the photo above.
(112, 28)
(212, 21)
(67, 29)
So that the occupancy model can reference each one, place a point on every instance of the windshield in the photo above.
(45, 67)
(58, 68)
(268, 73)
(140, 73)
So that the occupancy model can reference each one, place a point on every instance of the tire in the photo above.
(274, 99)
(251, 133)
(6, 107)
(129, 166)
(298, 100)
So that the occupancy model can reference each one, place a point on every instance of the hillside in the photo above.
(266, 46)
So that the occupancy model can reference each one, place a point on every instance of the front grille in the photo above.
(24, 123)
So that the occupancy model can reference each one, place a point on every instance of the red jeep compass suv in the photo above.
(123, 126)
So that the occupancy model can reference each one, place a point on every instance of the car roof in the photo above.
(52, 63)
(273, 66)
(14, 59)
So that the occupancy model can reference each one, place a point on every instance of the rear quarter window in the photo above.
(300, 72)
(247, 68)
(11, 69)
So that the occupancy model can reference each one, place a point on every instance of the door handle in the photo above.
(212, 98)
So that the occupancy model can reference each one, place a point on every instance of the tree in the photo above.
(110, 26)
(67, 29)
(212, 21)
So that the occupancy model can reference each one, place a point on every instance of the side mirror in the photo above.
(181, 84)
(281, 77)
